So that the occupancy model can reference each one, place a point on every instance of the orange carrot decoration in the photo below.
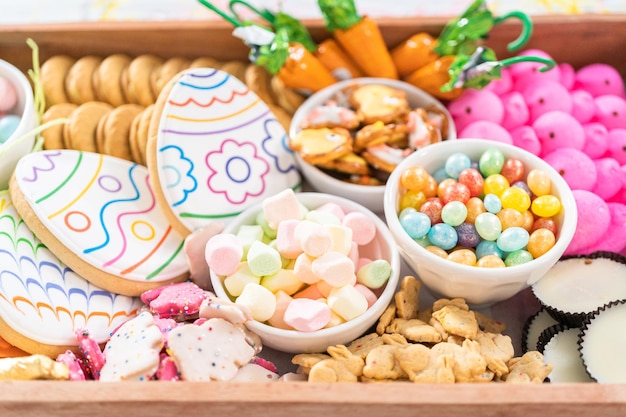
(359, 36)
(433, 76)
(294, 64)
(414, 53)
(328, 52)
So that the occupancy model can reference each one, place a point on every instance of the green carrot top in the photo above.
(339, 14)
(294, 30)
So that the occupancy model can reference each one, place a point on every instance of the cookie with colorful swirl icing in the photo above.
(214, 149)
(42, 301)
(98, 214)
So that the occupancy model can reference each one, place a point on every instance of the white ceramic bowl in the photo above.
(292, 341)
(479, 286)
(369, 196)
(18, 144)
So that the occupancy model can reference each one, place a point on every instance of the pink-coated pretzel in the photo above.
(181, 301)
(74, 365)
(167, 370)
(89, 348)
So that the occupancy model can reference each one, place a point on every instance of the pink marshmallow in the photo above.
(314, 239)
(335, 269)
(474, 105)
(307, 315)
(596, 140)
(545, 95)
(525, 137)
(615, 238)
(194, 248)
(558, 129)
(610, 178)
(312, 291)
(502, 85)
(281, 206)
(583, 105)
(278, 319)
(516, 112)
(354, 254)
(568, 75)
(600, 79)
(611, 111)
(332, 208)
(594, 218)
(576, 168)
(363, 227)
(223, 253)
(286, 242)
(367, 293)
(617, 145)
(483, 129)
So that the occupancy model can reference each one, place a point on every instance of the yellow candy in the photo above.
(436, 250)
(515, 198)
(495, 184)
(414, 178)
(539, 182)
(463, 256)
(490, 261)
(413, 199)
(546, 206)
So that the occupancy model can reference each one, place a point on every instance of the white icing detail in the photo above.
(44, 300)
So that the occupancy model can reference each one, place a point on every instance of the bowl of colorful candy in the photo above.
(17, 119)
(348, 137)
(479, 219)
(313, 269)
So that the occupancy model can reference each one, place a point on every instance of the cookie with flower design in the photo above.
(215, 148)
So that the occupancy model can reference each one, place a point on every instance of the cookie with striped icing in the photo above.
(98, 215)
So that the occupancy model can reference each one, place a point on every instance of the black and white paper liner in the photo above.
(576, 319)
(534, 325)
(606, 343)
(559, 346)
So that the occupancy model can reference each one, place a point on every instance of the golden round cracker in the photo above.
(287, 98)
(53, 135)
(257, 79)
(142, 132)
(205, 62)
(116, 130)
(52, 74)
(235, 68)
(166, 71)
(100, 133)
(138, 79)
(107, 79)
(79, 80)
(133, 140)
(83, 123)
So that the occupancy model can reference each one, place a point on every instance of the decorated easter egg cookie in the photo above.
(98, 214)
(214, 149)
(42, 301)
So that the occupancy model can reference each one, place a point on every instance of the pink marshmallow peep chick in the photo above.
(611, 111)
(557, 129)
(600, 79)
(576, 168)
(484, 129)
(525, 137)
(583, 105)
(614, 240)
(546, 95)
(596, 140)
(474, 105)
(594, 219)
(525, 73)
(568, 75)
(610, 178)
(516, 111)
(616, 144)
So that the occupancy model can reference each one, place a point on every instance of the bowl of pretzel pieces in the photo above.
(349, 137)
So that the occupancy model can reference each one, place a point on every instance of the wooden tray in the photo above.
(578, 40)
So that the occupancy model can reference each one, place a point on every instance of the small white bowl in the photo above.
(479, 286)
(369, 196)
(19, 144)
(292, 341)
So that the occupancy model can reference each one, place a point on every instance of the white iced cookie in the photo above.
(252, 372)
(132, 353)
(214, 350)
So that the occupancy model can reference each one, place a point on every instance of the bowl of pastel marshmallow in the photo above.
(314, 269)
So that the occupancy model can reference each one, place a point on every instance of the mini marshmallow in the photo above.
(354, 254)
(260, 301)
(334, 268)
(235, 282)
(313, 238)
(374, 274)
(367, 293)
(335, 319)
(223, 252)
(282, 301)
(342, 238)
(281, 206)
(283, 280)
(248, 234)
(306, 315)
(324, 287)
(322, 217)
(263, 259)
(347, 302)
(268, 231)
(363, 227)
(312, 292)
(302, 269)
(333, 208)
(286, 242)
